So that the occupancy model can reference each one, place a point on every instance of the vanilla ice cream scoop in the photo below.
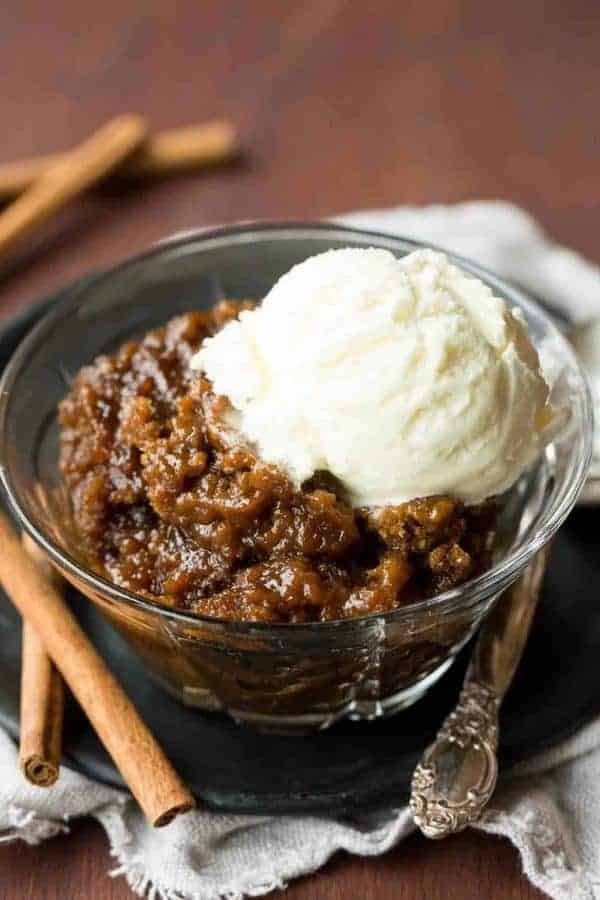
(402, 377)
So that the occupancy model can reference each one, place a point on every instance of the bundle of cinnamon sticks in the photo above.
(54, 643)
(55, 648)
(122, 147)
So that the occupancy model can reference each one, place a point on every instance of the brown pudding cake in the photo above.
(166, 505)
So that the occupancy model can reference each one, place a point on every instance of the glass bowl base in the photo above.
(363, 709)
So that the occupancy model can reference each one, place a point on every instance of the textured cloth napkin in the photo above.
(548, 807)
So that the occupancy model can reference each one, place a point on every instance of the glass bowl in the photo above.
(274, 677)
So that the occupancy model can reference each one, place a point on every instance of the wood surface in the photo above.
(339, 105)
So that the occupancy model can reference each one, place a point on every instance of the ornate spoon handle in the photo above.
(457, 774)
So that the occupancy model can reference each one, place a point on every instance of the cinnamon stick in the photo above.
(164, 153)
(70, 176)
(143, 765)
(42, 697)
(42, 702)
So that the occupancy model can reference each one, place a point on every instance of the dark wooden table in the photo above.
(340, 105)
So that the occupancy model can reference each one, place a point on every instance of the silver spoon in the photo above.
(457, 774)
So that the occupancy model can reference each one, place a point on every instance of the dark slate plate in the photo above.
(353, 765)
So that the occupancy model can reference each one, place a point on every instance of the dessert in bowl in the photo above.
(302, 508)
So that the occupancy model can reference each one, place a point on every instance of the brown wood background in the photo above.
(340, 105)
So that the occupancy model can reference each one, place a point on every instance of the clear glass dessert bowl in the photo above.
(280, 677)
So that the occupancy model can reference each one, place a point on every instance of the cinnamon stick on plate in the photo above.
(42, 697)
(143, 765)
(163, 153)
(73, 174)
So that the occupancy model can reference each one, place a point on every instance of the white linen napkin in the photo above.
(548, 807)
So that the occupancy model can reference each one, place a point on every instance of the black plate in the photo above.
(353, 765)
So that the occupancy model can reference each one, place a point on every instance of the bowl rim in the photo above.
(472, 592)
